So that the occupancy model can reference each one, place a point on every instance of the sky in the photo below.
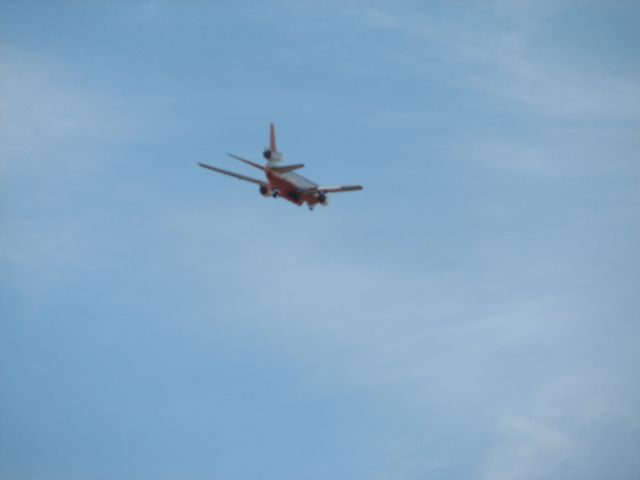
(472, 314)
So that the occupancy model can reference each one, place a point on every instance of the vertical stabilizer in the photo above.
(272, 139)
(271, 153)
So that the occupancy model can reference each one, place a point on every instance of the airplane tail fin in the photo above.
(271, 153)
(272, 139)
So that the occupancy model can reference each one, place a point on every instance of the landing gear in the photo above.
(311, 207)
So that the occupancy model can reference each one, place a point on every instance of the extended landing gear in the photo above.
(311, 207)
(295, 197)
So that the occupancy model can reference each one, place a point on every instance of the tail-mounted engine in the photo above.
(272, 155)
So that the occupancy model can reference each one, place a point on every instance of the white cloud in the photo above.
(531, 450)
(496, 50)
(447, 339)
(533, 431)
(46, 108)
(566, 431)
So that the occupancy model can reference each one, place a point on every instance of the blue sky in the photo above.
(473, 313)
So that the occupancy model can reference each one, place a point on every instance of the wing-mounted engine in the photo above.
(323, 199)
(269, 192)
(265, 191)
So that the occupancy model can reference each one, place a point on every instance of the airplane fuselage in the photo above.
(291, 186)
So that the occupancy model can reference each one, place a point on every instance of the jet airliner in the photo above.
(282, 181)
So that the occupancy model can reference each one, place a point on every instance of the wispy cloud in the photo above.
(45, 105)
(496, 334)
(500, 50)
(563, 430)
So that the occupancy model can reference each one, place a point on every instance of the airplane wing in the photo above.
(235, 175)
(346, 188)
(248, 162)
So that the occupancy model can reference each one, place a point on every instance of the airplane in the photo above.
(282, 181)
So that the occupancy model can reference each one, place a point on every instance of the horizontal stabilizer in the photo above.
(235, 175)
(287, 168)
(248, 162)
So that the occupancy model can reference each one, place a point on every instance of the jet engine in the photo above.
(272, 156)
(265, 191)
(323, 199)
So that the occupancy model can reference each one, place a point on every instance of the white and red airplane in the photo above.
(282, 181)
